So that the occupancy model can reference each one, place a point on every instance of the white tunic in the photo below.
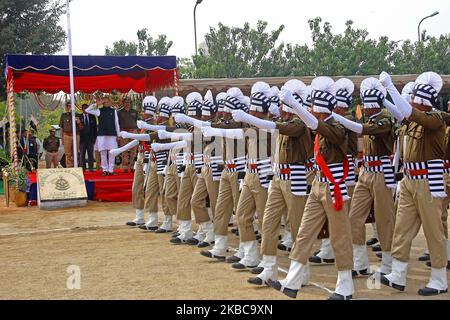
(105, 142)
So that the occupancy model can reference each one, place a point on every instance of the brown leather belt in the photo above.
(231, 166)
(308, 165)
(253, 166)
(447, 165)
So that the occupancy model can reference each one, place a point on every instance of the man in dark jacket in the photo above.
(87, 139)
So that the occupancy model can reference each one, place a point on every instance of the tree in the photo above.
(238, 52)
(247, 52)
(146, 46)
(29, 26)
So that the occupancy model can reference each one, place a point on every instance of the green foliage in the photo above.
(146, 46)
(233, 52)
(16, 179)
(186, 68)
(29, 26)
(46, 119)
(248, 52)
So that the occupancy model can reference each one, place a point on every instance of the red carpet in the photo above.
(115, 188)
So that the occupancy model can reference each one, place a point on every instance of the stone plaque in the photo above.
(61, 188)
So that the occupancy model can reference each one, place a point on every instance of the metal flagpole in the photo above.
(72, 89)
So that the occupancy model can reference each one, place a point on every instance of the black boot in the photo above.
(291, 293)
(385, 281)
(427, 292)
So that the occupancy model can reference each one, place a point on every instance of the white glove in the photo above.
(124, 135)
(288, 99)
(114, 153)
(386, 80)
(274, 110)
(145, 126)
(135, 136)
(128, 146)
(399, 101)
(225, 133)
(174, 136)
(156, 147)
(241, 116)
(182, 118)
(393, 110)
(351, 125)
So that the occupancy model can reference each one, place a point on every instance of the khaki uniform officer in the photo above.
(376, 181)
(255, 186)
(422, 189)
(127, 121)
(233, 148)
(328, 197)
(344, 102)
(207, 185)
(65, 123)
(51, 147)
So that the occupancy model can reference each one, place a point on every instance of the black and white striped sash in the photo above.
(296, 173)
(261, 167)
(337, 170)
(446, 166)
(235, 165)
(310, 165)
(386, 168)
(161, 161)
(213, 163)
(351, 178)
(435, 175)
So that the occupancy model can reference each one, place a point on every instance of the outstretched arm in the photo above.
(145, 126)
(128, 146)
(134, 136)
(350, 125)
(174, 136)
(241, 116)
(288, 99)
(237, 134)
(182, 118)
(168, 146)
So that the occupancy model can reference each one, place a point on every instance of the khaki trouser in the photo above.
(153, 189)
(318, 208)
(205, 187)
(127, 156)
(252, 199)
(187, 185)
(137, 192)
(350, 191)
(445, 203)
(371, 189)
(51, 159)
(226, 202)
(68, 148)
(171, 189)
(417, 207)
(280, 199)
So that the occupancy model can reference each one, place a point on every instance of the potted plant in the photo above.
(17, 184)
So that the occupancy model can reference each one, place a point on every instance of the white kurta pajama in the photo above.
(106, 143)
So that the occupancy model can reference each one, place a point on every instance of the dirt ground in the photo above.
(118, 262)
